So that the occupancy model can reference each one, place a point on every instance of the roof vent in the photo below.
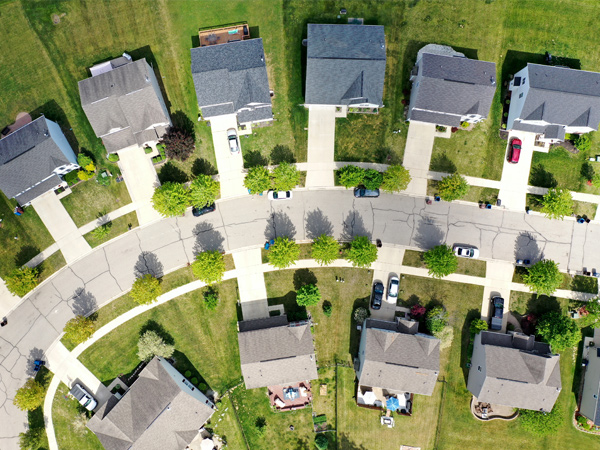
(147, 78)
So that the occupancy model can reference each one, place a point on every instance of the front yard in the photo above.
(119, 226)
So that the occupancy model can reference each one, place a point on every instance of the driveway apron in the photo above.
(321, 145)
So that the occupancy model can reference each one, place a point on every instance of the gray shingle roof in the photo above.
(517, 372)
(28, 156)
(399, 361)
(39, 189)
(122, 98)
(256, 115)
(228, 77)
(590, 397)
(155, 414)
(563, 96)
(453, 85)
(345, 64)
(448, 120)
(273, 353)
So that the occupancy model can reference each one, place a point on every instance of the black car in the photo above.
(201, 211)
(497, 310)
(361, 192)
(377, 295)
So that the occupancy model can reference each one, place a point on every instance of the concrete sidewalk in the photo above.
(251, 283)
(108, 217)
(321, 146)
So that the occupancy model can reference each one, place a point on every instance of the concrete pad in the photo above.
(141, 180)
(255, 309)
(389, 261)
(515, 177)
(321, 145)
(417, 155)
(230, 165)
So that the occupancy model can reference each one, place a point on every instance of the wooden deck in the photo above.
(278, 400)
(224, 35)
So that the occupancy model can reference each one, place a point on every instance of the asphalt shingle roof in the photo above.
(39, 189)
(273, 353)
(590, 399)
(345, 62)
(28, 156)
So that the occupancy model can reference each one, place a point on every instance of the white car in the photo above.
(466, 252)
(393, 286)
(279, 195)
(234, 146)
(83, 397)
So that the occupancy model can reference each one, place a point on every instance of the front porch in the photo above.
(291, 396)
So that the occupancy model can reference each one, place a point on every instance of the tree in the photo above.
(171, 199)
(539, 422)
(102, 231)
(557, 203)
(417, 312)
(360, 314)
(321, 442)
(395, 179)
(84, 160)
(558, 330)
(372, 179)
(543, 277)
(308, 295)
(30, 396)
(79, 329)
(22, 280)
(325, 249)
(327, 308)
(209, 266)
(351, 176)
(260, 424)
(283, 253)
(203, 191)
(285, 177)
(477, 325)
(178, 144)
(362, 252)
(145, 289)
(31, 439)
(257, 180)
(453, 187)
(441, 261)
(151, 345)
(211, 298)
(437, 319)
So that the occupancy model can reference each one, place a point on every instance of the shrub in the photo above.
(84, 160)
(103, 181)
(209, 266)
(417, 311)
(31, 439)
(541, 423)
(113, 157)
(257, 180)
(477, 325)
(194, 381)
(148, 150)
(464, 124)
(178, 144)
(325, 249)
(583, 142)
(72, 177)
(203, 191)
(283, 253)
(558, 330)
(557, 203)
(30, 396)
(187, 374)
(90, 168)
(285, 177)
(308, 295)
(79, 329)
(543, 277)
(22, 280)
(171, 199)
(372, 179)
(83, 175)
(211, 298)
(202, 386)
(145, 290)
(437, 319)
(260, 424)
(351, 176)
(360, 314)
(453, 187)
(327, 308)
(362, 252)
(321, 442)
(395, 179)
(151, 345)
(441, 261)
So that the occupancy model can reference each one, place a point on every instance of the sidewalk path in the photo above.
(108, 217)
(251, 283)
(321, 146)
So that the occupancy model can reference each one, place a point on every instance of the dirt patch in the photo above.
(56, 18)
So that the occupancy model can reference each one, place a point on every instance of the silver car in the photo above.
(234, 146)
(393, 287)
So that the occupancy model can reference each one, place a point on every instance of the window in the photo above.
(521, 95)
(524, 80)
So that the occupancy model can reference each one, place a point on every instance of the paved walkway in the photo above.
(108, 217)
(230, 165)
(417, 155)
(321, 146)
(141, 180)
(251, 283)
(60, 225)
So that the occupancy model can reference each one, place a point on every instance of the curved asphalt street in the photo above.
(248, 221)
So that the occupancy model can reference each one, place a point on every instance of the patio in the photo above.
(290, 397)
(378, 398)
(487, 411)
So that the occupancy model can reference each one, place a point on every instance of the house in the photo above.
(279, 355)
(161, 411)
(449, 88)
(345, 66)
(395, 360)
(124, 104)
(32, 160)
(552, 101)
(231, 78)
(590, 403)
(514, 370)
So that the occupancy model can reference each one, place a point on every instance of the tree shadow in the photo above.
(152, 325)
(538, 305)
(84, 303)
(52, 111)
(34, 354)
(526, 247)
(442, 163)
(25, 254)
(171, 173)
(317, 224)
(182, 122)
(353, 226)
(207, 238)
(279, 225)
(292, 310)
(354, 333)
(465, 348)
(345, 443)
(282, 153)
(202, 167)
(253, 158)
(541, 177)
(303, 277)
(148, 263)
(428, 234)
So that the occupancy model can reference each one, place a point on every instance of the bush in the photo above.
(151, 345)
(543, 277)
(321, 442)
(79, 329)
(541, 423)
(31, 439)
(327, 308)
(171, 199)
(325, 249)
(362, 252)
(211, 298)
(417, 312)
(395, 179)
(557, 203)
(148, 150)
(477, 325)
(145, 290)
(372, 179)
(103, 181)
(83, 175)
(72, 177)
(437, 319)
(102, 231)
(308, 295)
(84, 160)
(351, 176)
(187, 374)
(257, 180)
(30, 396)
(453, 187)
(178, 144)
(283, 253)
(260, 425)
(113, 157)
(558, 330)
(203, 191)
(209, 266)
(464, 125)
(285, 177)
(441, 261)
(22, 280)
(360, 314)
(583, 142)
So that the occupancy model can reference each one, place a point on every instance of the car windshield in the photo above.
(379, 288)
(394, 288)
(517, 146)
(275, 195)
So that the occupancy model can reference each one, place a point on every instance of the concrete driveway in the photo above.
(230, 166)
(498, 275)
(515, 177)
(251, 282)
(321, 146)
(61, 226)
(389, 261)
(417, 155)
(141, 180)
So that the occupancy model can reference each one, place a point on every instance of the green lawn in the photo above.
(89, 200)
(225, 424)
(473, 267)
(69, 419)
(51, 264)
(119, 226)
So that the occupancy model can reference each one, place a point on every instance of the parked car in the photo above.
(279, 195)
(466, 252)
(364, 192)
(515, 151)
(393, 286)
(83, 397)
(377, 295)
(234, 145)
(197, 212)
(497, 310)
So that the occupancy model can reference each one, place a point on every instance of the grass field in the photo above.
(119, 226)
(50, 265)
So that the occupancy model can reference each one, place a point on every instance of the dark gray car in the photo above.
(497, 313)
(377, 295)
(366, 193)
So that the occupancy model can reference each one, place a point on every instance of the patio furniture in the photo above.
(392, 403)
(279, 403)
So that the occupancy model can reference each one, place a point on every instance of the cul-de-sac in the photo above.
(299, 224)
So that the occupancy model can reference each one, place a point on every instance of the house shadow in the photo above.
(577, 376)
(466, 349)
(354, 333)
(55, 113)
(293, 311)
(184, 365)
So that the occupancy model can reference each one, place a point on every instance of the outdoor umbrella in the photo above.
(392, 404)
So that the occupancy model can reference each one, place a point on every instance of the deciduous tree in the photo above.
(477, 325)
(351, 176)
(151, 345)
(203, 191)
(558, 330)
(171, 199)
(79, 329)
(395, 179)
(257, 179)
(22, 280)
(557, 203)
(325, 249)
(541, 423)
(209, 267)
(441, 261)
(372, 179)
(543, 277)
(308, 295)
(145, 289)
(30, 396)
(283, 253)
(178, 144)
(285, 177)
(453, 187)
(362, 252)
